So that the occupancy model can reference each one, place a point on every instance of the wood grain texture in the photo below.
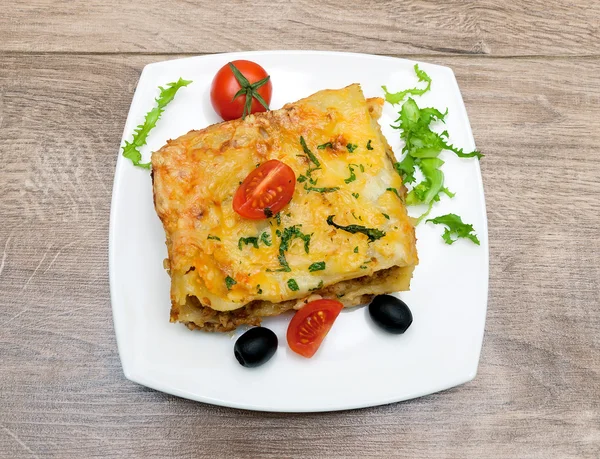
(490, 27)
(62, 392)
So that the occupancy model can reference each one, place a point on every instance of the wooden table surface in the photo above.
(530, 76)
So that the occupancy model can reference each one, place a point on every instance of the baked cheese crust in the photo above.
(223, 265)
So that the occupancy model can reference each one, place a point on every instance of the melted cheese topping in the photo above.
(196, 176)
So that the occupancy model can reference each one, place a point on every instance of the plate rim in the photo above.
(129, 367)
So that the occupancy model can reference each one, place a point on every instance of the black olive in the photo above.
(255, 347)
(390, 313)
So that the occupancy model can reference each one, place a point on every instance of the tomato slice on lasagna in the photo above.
(344, 234)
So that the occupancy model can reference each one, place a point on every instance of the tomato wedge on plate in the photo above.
(311, 324)
(265, 191)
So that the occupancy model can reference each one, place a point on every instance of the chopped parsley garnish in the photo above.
(230, 282)
(216, 238)
(351, 147)
(258, 290)
(302, 178)
(284, 264)
(386, 216)
(369, 147)
(309, 172)
(288, 235)
(268, 212)
(278, 218)
(372, 233)
(317, 287)
(455, 228)
(321, 189)
(247, 241)
(293, 285)
(131, 150)
(317, 266)
(356, 249)
(265, 238)
(309, 153)
(363, 267)
(325, 145)
(356, 195)
(352, 177)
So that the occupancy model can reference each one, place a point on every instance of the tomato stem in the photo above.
(250, 89)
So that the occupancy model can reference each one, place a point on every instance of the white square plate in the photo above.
(358, 365)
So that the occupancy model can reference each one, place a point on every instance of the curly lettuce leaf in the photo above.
(455, 228)
(140, 134)
(432, 184)
(422, 146)
(397, 97)
(406, 169)
(420, 140)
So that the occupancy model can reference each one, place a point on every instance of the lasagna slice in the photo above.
(345, 234)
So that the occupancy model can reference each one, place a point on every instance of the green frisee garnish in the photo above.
(140, 134)
(422, 147)
(397, 97)
(455, 228)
